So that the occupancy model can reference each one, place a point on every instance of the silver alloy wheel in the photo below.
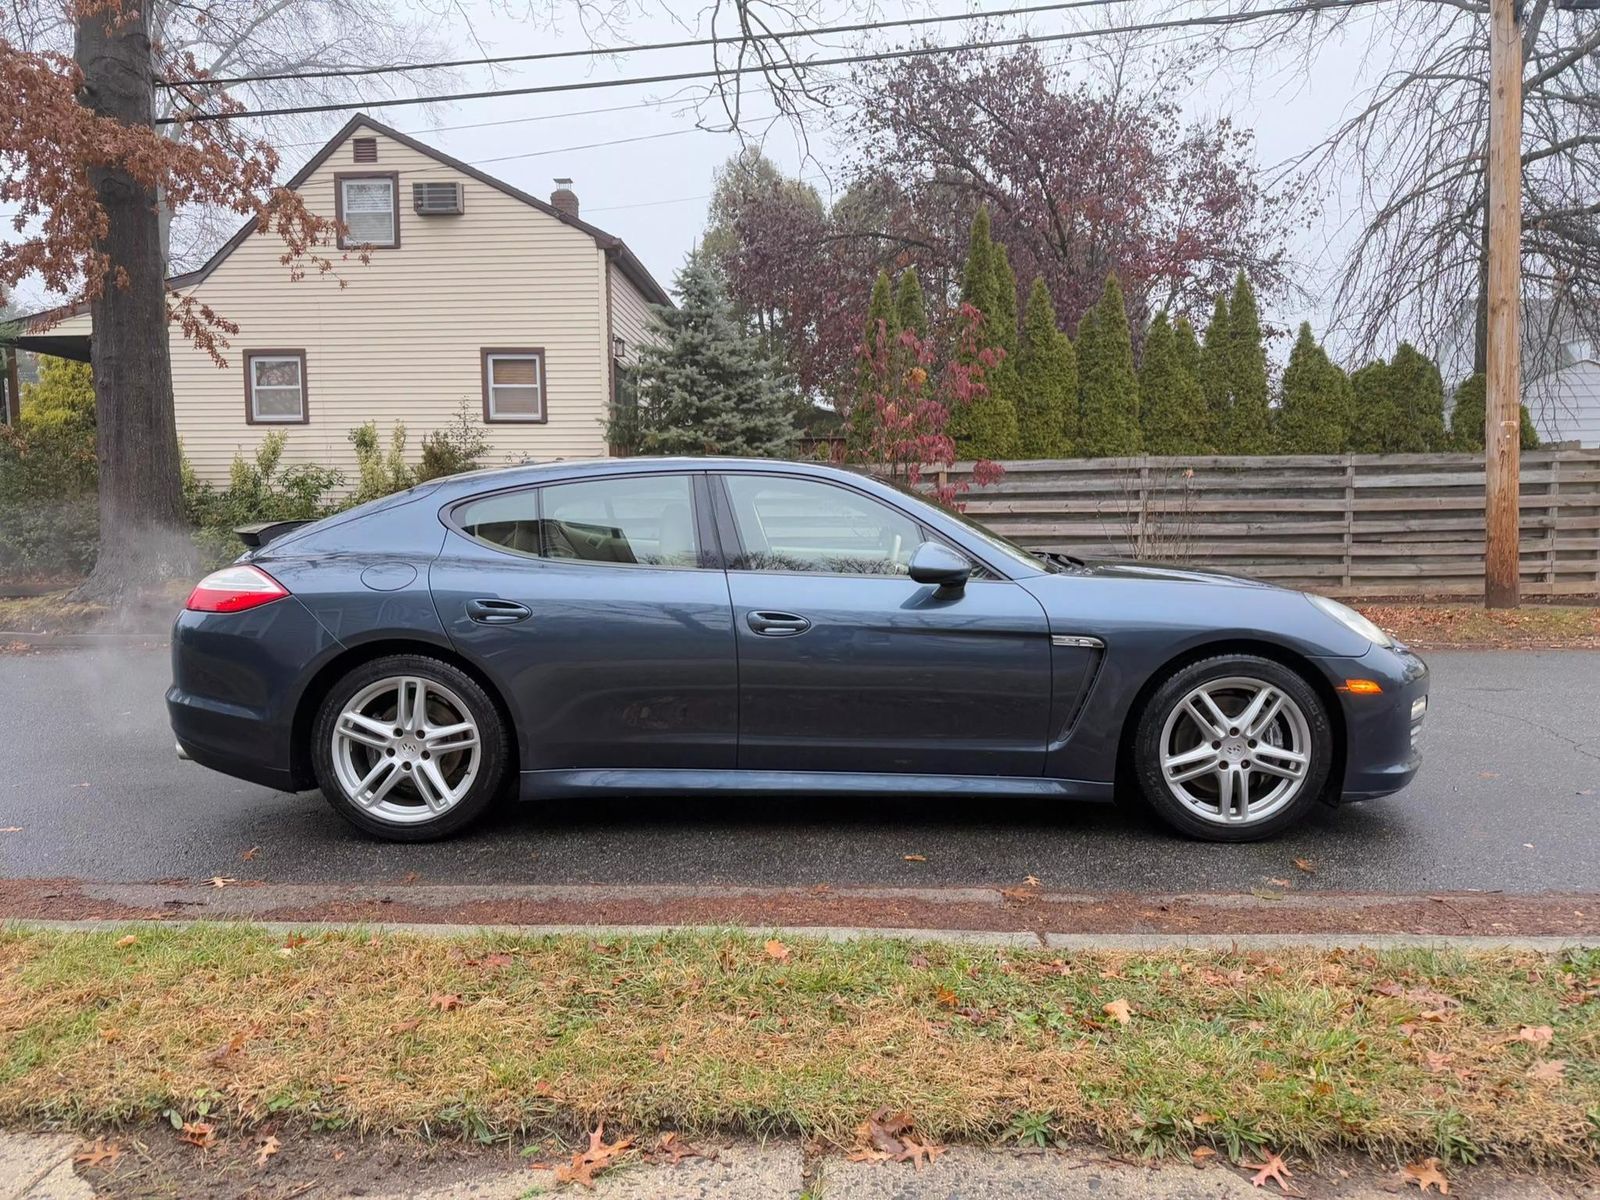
(406, 749)
(1234, 751)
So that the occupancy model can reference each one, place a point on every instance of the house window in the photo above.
(513, 385)
(275, 387)
(369, 208)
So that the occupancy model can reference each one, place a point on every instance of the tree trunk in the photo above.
(143, 534)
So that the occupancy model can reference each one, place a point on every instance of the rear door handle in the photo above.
(497, 612)
(777, 624)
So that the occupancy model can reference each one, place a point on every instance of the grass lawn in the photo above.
(1471, 625)
(492, 1037)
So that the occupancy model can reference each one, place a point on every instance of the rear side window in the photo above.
(645, 520)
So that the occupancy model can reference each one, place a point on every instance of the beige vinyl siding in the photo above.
(631, 319)
(401, 339)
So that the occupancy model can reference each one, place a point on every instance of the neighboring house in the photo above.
(1560, 370)
(475, 292)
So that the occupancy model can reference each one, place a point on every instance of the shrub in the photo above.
(258, 490)
(458, 447)
(49, 523)
(380, 472)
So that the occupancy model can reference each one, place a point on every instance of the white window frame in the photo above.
(389, 180)
(254, 390)
(491, 413)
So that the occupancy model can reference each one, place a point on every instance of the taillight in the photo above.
(234, 589)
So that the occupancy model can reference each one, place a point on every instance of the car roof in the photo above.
(565, 468)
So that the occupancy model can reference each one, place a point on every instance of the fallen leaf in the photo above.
(267, 1149)
(98, 1153)
(128, 940)
(1306, 865)
(1030, 881)
(220, 881)
(915, 857)
(673, 1149)
(1537, 1035)
(597, 1157)
(1201, 1153)
(1426, 1174)
(1437, 1060)
(444, 1001)
(198, 1133)
(1274, 1169)
(916, 1153)
(1119, 1011)
(777, 951)
(11, 829)
(1549, 1072)
(1283, 883)
(224, 1054)
(405, 1026)
(250, 854)
(497, 960)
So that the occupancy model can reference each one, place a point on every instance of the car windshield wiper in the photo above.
(1059, 559)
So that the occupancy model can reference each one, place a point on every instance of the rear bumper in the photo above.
(235, 681)
(1382, 754)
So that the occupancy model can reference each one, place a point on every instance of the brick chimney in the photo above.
(564, 200)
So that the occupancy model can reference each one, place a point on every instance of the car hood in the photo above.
(1167, 572)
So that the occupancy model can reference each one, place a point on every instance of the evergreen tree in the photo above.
(1004, 315)
(877, 336)
(1417, 403)
(1187, 345)
(1213, 370)
(986, 428)
(704, 385)
(1047, 370)
(1172, 407)
(1108, 391)
(1467, 418)
(1314, 415)
(909, 310)
(1372, 409)
(1246, 421)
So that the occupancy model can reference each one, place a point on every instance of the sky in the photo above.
(644, 171)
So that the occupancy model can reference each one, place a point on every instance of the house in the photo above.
(476, 293)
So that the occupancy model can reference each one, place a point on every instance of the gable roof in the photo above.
(626, 260)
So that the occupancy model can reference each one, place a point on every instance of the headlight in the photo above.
(1351, 620)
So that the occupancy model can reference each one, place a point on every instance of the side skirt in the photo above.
(547, 785)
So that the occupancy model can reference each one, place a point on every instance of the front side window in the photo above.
(645, 520)
(368, 209)
(275, 386)
(513, 385)
(817, 528)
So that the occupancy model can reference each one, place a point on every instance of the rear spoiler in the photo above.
(257, 536)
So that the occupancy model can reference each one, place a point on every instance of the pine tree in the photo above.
(1172, 407)
(878, 334)
(1467, 418)
(1245, 427)
(1314, 414)
(1213, 371)
(909, 310)
(1047, 370)
(704, 385)
(1108, 391)
(1418, 403)
(986, 428)
(1004, 315)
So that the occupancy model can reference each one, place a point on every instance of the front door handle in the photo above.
(777, 624)
(497, 612)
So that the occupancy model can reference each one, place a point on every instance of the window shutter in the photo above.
(366, 149)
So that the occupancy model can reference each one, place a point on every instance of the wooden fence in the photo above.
(1347, 525)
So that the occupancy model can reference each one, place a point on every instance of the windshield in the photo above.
(1004, 547)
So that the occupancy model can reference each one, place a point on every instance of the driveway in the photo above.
(1508, 799)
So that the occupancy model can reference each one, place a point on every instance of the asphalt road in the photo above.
(1508, 798)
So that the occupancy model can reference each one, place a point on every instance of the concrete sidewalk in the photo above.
(40, 1167)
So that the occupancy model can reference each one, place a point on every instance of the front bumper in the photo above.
(1382, 754)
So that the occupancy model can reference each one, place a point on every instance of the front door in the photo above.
(846, 664)
(600, 611)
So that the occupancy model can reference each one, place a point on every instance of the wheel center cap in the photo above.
(408, 748)
(1233, 747)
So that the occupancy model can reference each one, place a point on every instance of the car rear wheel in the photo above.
(1233, 748)
(409, 748)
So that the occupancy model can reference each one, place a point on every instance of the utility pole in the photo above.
(1502, 415)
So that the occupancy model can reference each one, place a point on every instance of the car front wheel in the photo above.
(1233, 748)
(409, 748)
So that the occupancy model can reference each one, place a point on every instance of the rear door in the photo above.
(846, 664)
(600, 608)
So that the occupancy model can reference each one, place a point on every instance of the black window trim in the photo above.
(700, 502)
(734, 548)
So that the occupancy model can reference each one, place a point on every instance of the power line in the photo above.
(603, 51)
(1220, 20)
(643, 137)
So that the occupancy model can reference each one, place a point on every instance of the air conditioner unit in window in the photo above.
(436, 199)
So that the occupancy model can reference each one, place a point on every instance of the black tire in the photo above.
(494, 740)
(1147, 747)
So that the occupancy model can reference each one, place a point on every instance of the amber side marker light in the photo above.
(1362, 687)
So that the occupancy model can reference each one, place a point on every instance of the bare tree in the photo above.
(1415, 147)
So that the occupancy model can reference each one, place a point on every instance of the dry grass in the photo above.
(1473, 626)
(49, 613)
(495, 1037)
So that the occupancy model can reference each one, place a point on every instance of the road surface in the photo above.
(1508, 798)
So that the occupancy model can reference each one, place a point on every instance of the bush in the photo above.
(381, 472)
(49, 523)
(457, 448)
(257, 491)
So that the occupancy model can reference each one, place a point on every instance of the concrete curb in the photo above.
(1135, 942)
(68, 641)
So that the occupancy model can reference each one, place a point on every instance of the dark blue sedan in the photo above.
(655, 626)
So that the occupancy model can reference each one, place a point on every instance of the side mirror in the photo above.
(938, 564)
